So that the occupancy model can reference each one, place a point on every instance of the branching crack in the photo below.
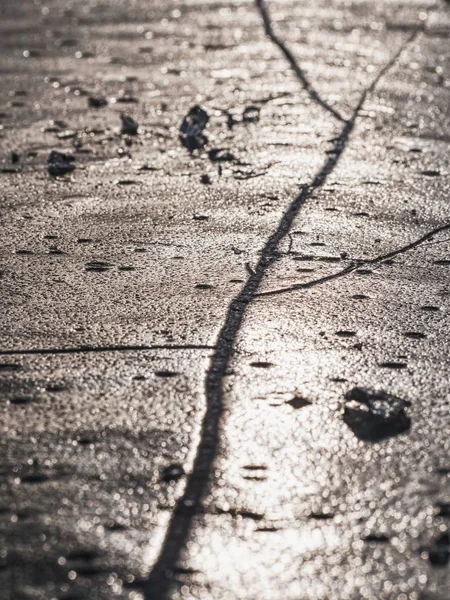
(355, 265)
(299, 72)
(99, 349)
(160, 582)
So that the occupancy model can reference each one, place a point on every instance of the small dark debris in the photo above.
(217, 46)
(231, 121)
(146, 167)
(129, 125)
(59, 164)
(55, 387)
(430, 308)
(241, 175)
(329, 259)
(321, 516)
(443, 470)
(220, 155)
(182, 570)
(442, 261)
(97, 269)
(444, 509)
(345, 334)
(82, 555)
(24, 252)
(125, 182)
(192, 127)
(85, 441)
(304, 257)
(251, 114)
(115, 526)
(205, 179)
(56, 125)
(10, 367)
(166, 374)
(415, 335)
(172, 473)
(431, 173)
(28, 513)
(377, 538)
(68, 134)
(126, 98)
(122, 153)
(34, 478)
(261, 364)
(203, 286)
(31, 53)
(299, 402)
(439, 551)
(98, 266)
(255, 467)
(360, 297)
(200, 217)
(375, 415)
(21, 400)
(97, 102)
(9, 170)
(393, 365)
(247, 514)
